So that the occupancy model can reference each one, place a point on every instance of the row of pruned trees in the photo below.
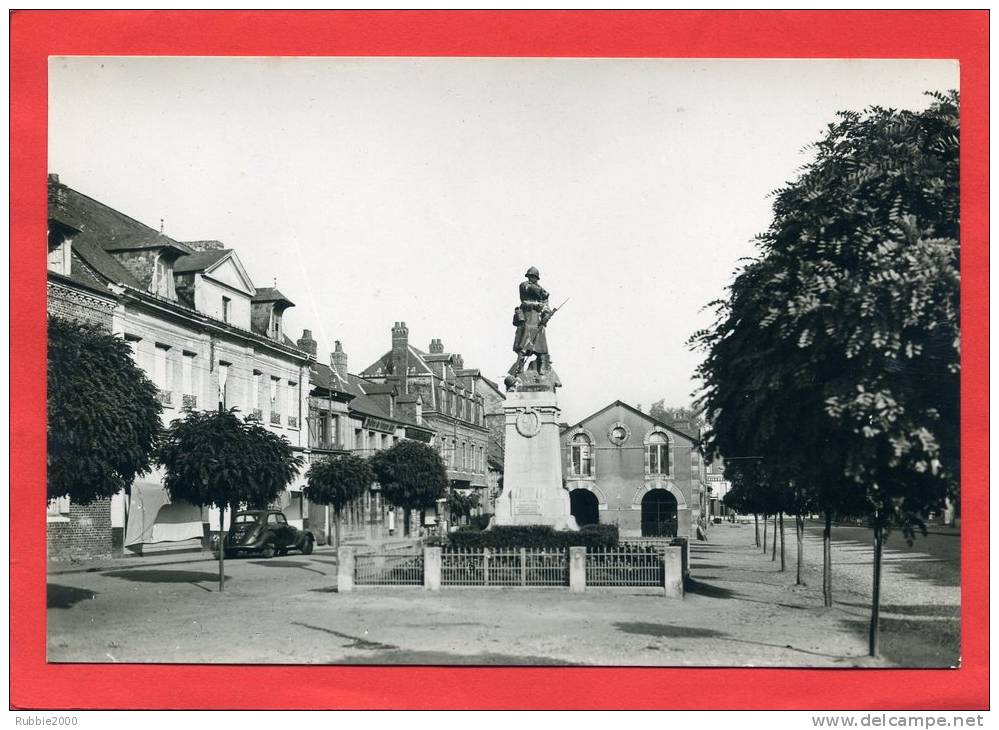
(832, 371)
(104, 430)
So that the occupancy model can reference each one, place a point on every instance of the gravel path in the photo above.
(740, 611)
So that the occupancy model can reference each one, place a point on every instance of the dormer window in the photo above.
(162, 284)
(60, 248)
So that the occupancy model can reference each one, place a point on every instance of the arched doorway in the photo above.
(583, 505)
(658, 514)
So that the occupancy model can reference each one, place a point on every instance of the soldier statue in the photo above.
(530, 319)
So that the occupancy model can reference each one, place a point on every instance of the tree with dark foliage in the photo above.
(103, 413)
(337, 481)
(412, 476)
(837, 354)
(216, 458)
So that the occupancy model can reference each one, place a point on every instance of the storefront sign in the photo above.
(379, 424)
(418, 435)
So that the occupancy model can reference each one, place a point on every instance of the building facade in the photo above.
(453, 405)
(348, 414)
(203, 333)
(624, 467)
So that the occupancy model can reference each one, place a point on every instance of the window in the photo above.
(276, 400)
(223, 383)
(658, 454)
(580, 455)
(133, 342)
(163, 278)
(482, 459)
(163, 373)
(276, 325)
(189, 380)
(358, 439)
(292, 404)
(226, 308)
(255, 393)
(323, 430)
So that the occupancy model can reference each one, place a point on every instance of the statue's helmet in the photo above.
(533, 271)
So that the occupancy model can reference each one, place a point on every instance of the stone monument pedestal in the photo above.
(532, 465)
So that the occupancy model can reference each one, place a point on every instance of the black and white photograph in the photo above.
(503, 361)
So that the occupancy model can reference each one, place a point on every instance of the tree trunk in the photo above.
(827, 600)
(221, 549)
(405, 521)
(875, 635)
(783, 560)
(773, 548)
(799, 529)
(339, 527)
(756, 522)
(765, 525)
(329, 527)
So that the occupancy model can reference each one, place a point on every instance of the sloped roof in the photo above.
(117, 231)
(418, 360)
(145, 240)
(101, 262)
(270, 294)
(644, 415)
(200, 260)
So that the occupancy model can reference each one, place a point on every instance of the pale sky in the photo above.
(377, 190)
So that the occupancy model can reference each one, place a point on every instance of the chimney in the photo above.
(305, 342)
(340, 360)
(436, 347)
(53, 178)
(400, 355)
(459, 361)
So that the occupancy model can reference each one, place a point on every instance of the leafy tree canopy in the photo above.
(338, 480)
(837, 352)
(217, 458)
(103, 413)
(673, 415)
(412, 475)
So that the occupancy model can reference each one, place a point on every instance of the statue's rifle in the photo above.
(544, 323)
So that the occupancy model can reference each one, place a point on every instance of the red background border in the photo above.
(35, 35)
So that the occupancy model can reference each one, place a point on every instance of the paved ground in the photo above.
(740, 611)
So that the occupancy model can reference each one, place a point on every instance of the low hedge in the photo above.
(535, 536)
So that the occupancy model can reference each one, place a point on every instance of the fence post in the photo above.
(432, 568)
(673, 572)
(485, 566)
(523, 566)
(577, 569)
(345, 569)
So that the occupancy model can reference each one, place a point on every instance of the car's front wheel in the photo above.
(307, 546)
(268, 550)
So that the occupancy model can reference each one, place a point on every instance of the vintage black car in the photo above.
(266, 532)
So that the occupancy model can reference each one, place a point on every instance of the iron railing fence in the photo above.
(626, 566)
(504, 567)
(389, 569)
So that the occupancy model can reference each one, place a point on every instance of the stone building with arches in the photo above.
(624, 467)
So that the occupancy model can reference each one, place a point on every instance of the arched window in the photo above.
(580, 458)
(657, 448)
